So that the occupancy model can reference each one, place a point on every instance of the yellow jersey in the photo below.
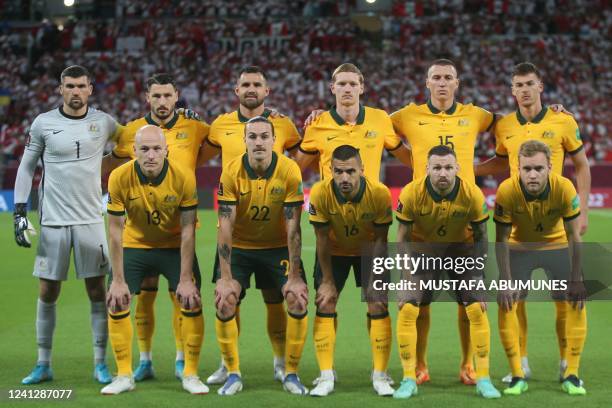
(424, 126)
(537, 218)
(183, 137)
(259, 201)
(559, 131)
(351, 223)
(441, 219)
(372, 132)
(152, 207)
(227, 134)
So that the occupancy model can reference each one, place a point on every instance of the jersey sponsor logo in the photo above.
(423, 123)
(220, 190)
(229, 133)
(549, 134)
(243, 193)
(509, 137)
(371, 134)
(181, 136)
(463, 122)
(331, 137)
(55, 132)
(130, 198)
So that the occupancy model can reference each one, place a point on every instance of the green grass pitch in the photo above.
(72, 355)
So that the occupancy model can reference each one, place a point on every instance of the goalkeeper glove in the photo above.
(23, 227)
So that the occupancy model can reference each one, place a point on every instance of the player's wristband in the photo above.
(21, 209)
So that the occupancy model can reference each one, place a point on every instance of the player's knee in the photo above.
(227, 308)
(294, 306)
(377, 308)
(49, 290)
(329, 307)
(95, 289)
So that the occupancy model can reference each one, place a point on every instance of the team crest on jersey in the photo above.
(170, 199)
(459, 214)
(367, 216)
(464, 122)
(94, 127)
(549, 134)
(181, 136)
(371, 134)
(277, 191)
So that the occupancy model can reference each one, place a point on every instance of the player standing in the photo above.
(539, 206)
(160, 200)
(260, 199)
(70, 142)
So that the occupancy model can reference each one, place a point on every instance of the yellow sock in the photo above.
(325, 340)
(509, 335)
(121, 333)
(192, 327)
(463, 323)
(227, 337)
(422, 325)
(521, 313)
(297, 328)
(380, 340)
(480, 333)
(407, 338)
(144, 317)
(277, 327)
(177, 321)
(560, 324)
(576, 330)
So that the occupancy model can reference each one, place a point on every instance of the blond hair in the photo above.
(532, 147)
(347, 67)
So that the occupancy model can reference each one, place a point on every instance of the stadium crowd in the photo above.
(199, 42)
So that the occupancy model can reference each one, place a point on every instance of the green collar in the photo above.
(435, 110)
(437, 197)
(244, 119)
(358, 196)
(542, 196)
(168, 125)
(338, 119)
(251, 172)
(536, 119)
(157, 180)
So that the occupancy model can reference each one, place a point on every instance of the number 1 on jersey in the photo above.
(446, 140)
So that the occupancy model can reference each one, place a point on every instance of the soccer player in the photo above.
(260, 199)
(159, 199)
(184, 139)
(227, 137)
(70, 142)
(439, 208)
(539, 206)
(533, 120)
(347, 210)
(350, 123)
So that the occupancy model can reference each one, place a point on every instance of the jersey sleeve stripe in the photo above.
(383, 224)
(116, 156)
(188, 208)
(293, 203)
(117, 213)
(406, 222)
(396, 147)
(571, 217)
(319, 223)
(501, 222)
(313, 152)
(573, 152)
(492, 122)
(485, 219)
(501, 155)
(224, 202)
(213, 144)
(294, 146)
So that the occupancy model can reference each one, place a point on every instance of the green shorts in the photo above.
(270, 267)
(341, 268)
(139, 263)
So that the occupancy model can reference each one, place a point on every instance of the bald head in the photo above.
(150, 150)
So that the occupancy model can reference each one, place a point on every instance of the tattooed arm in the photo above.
(294, 239)
(227, 218)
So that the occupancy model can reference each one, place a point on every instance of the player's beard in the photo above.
(163, 115)
(76, 104)
(251, 102)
